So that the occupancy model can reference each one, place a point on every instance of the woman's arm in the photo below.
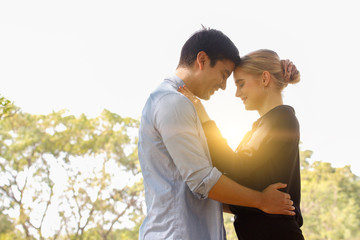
(236, 165)
(222, 155)
(275, 139)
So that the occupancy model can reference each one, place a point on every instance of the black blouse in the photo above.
(268, 154)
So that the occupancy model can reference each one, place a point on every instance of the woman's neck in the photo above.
(271, 101)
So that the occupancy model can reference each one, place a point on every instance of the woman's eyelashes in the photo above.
(240, 84)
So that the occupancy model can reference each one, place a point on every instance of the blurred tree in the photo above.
(7, 229)
(67, 173)
(7, 108)
(67, 177)
(25, 174)
(5, 224)
(229, 226)
(330, 201)
(100, 194)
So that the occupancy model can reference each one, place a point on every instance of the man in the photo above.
(183, 191)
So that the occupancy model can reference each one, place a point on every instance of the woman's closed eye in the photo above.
(240, 83)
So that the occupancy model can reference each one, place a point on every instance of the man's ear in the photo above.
(201, 59)
(266, 77)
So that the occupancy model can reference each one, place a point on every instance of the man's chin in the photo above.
(207, 97)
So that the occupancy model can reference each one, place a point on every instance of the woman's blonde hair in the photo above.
(267, 60)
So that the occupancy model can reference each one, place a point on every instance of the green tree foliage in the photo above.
(7, 108)
(62, 175)
(7, 229)
(67, 177)
(330, 201)
(229, 226)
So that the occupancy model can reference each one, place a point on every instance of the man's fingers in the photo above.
(184, 91)
(287, 196)
(286, 212)
(187, 90)
(289, 209)
(288, 202)
(279, 185)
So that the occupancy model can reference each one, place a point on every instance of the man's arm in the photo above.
(180, 130)
(271, 200)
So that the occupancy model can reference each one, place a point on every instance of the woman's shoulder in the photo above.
(282, 109)
(282, 115)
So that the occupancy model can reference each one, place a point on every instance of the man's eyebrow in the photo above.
(227, 72)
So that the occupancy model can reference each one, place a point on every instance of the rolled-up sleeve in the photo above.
(178, 124)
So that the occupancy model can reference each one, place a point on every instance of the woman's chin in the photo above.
(249, 108)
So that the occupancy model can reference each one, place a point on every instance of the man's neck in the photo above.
(187, 76)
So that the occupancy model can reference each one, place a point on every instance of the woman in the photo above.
(269, 153)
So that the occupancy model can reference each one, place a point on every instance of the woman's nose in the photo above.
(238, 93)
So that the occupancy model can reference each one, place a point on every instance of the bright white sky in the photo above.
(85, 56)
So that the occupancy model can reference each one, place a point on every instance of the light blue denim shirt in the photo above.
(177, 170)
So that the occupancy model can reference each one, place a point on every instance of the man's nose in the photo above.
(223, 85)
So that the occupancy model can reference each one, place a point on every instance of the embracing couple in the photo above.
(191, 175)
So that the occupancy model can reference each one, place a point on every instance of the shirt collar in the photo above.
(175, 81)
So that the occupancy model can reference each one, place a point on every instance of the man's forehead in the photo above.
(229, 66)
(228, 72)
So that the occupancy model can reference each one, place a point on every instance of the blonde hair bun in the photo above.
(291, 74)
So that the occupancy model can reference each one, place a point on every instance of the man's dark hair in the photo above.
(213, 42)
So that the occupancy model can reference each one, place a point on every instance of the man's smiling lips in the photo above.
(244, 99)
(214, 90)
